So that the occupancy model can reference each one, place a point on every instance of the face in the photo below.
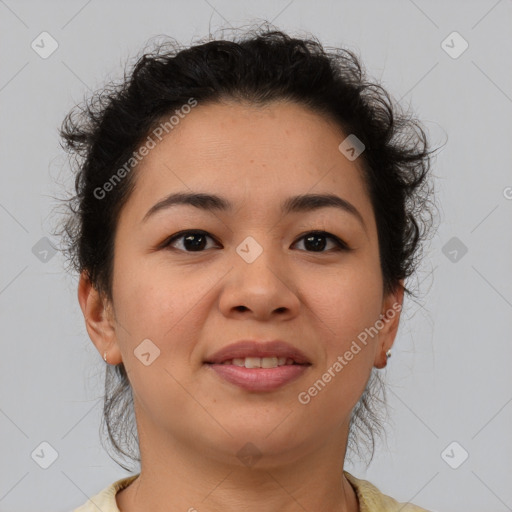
(253, 272)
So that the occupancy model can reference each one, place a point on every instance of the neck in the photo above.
(182, 477)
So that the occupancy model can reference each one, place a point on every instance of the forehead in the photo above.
(241, 151)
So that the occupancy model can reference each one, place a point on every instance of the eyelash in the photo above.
(340, 244)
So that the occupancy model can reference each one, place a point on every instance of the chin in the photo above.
(267, 445)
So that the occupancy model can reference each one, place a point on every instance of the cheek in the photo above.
(165, 308)
(155, 302)
(346, 300)
(344, 310)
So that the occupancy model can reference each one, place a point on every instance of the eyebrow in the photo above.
(294, 204)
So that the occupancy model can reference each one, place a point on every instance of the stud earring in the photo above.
(388, 354)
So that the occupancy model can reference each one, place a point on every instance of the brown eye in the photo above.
(316, 241)
(190, 241)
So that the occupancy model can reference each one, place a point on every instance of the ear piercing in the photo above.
(388, 354)
(105, 357)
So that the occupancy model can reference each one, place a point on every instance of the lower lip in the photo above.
(259, 379)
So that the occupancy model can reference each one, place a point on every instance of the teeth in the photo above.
(260, 362)
(255, 362)
(269, 362)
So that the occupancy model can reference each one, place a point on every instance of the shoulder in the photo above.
(372, 500)
(105, 500)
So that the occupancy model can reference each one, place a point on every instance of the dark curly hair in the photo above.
(259, 67)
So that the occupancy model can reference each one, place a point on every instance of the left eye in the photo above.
(315, 241)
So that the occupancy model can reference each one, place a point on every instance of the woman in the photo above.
(246, 214)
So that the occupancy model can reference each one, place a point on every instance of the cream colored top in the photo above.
(370, 498)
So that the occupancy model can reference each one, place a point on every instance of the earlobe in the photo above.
(98, 321)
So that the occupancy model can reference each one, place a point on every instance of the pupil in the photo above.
(194, 246)
(317, 246)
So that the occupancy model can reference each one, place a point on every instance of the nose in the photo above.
(261, 289)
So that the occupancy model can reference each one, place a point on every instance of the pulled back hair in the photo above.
(259, 67)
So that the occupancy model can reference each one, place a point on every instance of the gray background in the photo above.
(449, 377)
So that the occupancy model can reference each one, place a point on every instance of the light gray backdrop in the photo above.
(449, 376)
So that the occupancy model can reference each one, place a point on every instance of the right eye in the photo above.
(191, 241)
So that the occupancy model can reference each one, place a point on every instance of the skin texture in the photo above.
(191, 423)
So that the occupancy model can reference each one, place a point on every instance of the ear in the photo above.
(390, 319)
(99, 320)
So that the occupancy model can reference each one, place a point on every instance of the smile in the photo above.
(250, 373)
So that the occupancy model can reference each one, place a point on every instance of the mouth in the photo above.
(260, 362)
(259, 367)
(261, 354)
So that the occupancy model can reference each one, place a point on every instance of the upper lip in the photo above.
(248, 348)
